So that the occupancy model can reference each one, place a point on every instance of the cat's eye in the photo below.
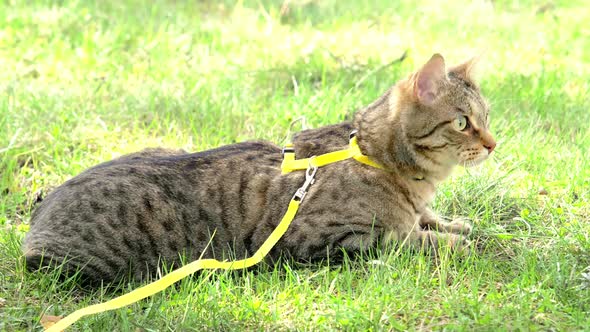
(460, 122)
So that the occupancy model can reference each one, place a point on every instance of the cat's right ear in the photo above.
(429, 79)
(468, 69)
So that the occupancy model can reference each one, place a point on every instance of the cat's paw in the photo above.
(461, 225)
(463, 246)
(445, 242)
(458, 243)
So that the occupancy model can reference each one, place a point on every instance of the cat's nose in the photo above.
(487, 140)
(490, 146)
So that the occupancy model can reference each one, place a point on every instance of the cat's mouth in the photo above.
(473, 158)
(472, 163)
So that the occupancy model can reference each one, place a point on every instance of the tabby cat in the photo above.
(124, 217)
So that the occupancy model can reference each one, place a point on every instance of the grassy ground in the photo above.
(82, 82)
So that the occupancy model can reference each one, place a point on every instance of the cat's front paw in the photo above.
(435, 241)
(458, 243)
(462, 246)
(461, 225)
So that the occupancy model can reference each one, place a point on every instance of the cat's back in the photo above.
(142, 207)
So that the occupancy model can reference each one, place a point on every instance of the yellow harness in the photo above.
(289, 164)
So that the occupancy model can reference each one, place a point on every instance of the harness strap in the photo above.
(291, 164)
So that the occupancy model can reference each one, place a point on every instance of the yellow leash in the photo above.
(289, 164)
(174, 276)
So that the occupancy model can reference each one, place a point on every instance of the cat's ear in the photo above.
(467, 70)
(429, 79)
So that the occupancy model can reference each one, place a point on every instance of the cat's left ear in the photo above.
(468, 69)
(429, 79)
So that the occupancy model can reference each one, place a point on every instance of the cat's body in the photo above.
(125, 216)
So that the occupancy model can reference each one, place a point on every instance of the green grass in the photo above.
(82, 82)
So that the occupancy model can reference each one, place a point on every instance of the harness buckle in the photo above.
(309, 180)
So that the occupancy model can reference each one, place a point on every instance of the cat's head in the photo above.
(444, 116)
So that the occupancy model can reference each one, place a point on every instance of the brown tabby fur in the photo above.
(124, 216)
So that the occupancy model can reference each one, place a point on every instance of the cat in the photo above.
(123, 218)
